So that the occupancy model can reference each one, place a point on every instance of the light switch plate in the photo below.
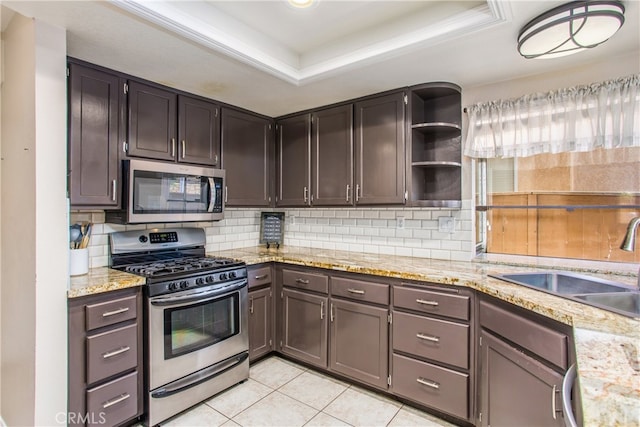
(446, 224)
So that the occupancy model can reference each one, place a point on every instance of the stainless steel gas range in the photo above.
(196, 314)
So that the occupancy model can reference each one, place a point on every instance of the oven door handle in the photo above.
(199, 296)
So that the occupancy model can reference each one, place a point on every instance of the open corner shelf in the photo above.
(435, 155)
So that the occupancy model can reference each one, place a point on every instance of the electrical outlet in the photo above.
(400, 222)
(446, 224)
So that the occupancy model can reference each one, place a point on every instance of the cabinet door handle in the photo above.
(321, 310)
(184, 148)
(427, 337)
(118, 399)
(114, 312)
(303, 281)
(226, 193)
(553, 401)
(355, 291)
(348, 188)
(428, 383)
(262, 276)
(357, 192)
(331, 311)
(251, 305)
(215, 160)
(116, 352)
(427, 302)
(305, 194)
(173, 147)
(567, 385)
(113, 190)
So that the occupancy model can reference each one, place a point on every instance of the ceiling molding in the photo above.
(284, 64)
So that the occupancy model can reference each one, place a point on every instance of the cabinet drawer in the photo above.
(431, 385)
(111, 352)
(543, 341)
(307, 281)
(110, 312)
(259, 276)
(114, 402)
(433, 339)
(377, 293)
(426, 301)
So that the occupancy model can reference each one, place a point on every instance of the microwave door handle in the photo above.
(212, 195)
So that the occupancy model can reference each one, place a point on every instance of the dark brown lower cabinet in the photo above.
(304, 334)
(105, 358)
(360, 342)
(260, 323)
(516, 389)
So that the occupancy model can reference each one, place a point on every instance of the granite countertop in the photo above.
(607, 344)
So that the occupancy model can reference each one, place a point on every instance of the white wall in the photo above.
(34, 224)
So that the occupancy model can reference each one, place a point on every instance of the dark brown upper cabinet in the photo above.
(332, 156)
(247, 157)
(166, 126)
(435, 153)
(198, 131)
(293, 149)
(95, 109)
(152, 122)
(379, 150)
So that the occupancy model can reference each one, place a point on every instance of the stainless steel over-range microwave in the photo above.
(169, 192)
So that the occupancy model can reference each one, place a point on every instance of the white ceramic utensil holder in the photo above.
(78, 261)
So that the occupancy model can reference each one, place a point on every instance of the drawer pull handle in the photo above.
(115, 401)
(116, 352)
(262, 276)
(427, 302)
(428, 383)
(428, 337)
(303, 281)
(114, 312)
(356, 291)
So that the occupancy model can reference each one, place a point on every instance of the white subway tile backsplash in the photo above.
(368, 230)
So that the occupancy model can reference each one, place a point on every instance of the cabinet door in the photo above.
(304, 324)
(359, 342)
(260, 320)
(294, 145)
(516, 389)
(379, 150)
(94, 108)
(247, 144)
(152, 122)
(198, 131)
(332, 156)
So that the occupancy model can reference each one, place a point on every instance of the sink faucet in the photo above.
(629, 241)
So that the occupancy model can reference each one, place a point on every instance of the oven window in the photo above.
(200, 325)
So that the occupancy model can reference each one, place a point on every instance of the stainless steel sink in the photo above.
(627, 304)
(564, 283)
(606, 294)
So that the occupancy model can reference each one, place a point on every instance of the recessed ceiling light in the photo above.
(301, 4)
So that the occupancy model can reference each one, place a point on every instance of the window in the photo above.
(558, 174)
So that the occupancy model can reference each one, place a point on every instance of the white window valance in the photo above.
(582, 118)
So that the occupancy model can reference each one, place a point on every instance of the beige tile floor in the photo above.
(281, 393)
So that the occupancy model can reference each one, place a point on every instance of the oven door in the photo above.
(168, 192)
(194, 329)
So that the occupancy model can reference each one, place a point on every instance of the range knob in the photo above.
(184, 284)
(210, 279)
(223, 276)
(232, 275)
(172, 286)
(200, 281)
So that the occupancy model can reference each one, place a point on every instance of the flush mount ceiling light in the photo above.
(301, 4)
(570, 28)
